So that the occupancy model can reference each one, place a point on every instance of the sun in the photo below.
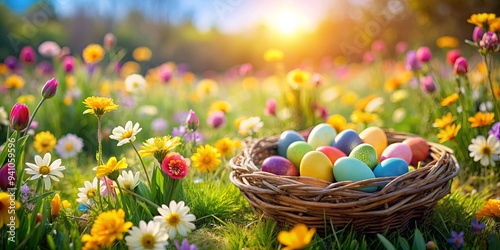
(287, 22)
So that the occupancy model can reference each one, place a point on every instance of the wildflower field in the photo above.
(103, 148)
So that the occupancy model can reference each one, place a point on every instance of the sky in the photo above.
(227, 15)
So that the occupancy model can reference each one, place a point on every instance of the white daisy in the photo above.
(44, 169)
(69, 146)
(175, 219)
(88, 192)
(128, 180)
(4, 117)
(147, 236)
(485, 150)
(127, 134)
(135, 83)
(250, 126)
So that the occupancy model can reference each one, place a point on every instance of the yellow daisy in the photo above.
(444, 121)
(448, 133)
(481, 119)
(362, 117)
(14, 82)
(44, 142)
(111, 166)
(482, 20)
(220, 106)
(206, 158)
(107, 228)
(93, 53)
(99, 105)
(339, 123)
(298, 78)
(159, 146)
(449, 100)
(225, 147)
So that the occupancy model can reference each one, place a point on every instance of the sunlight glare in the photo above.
(287, 22)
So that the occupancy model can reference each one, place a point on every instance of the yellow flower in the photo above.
(141, 54)
(362, 117)
(14, 82)
(111, 166)
(220, 106)
(206, 87)
(93, 53)
(250, 83)
(361, 104)
(206, 158)
(349, 98)
(225, 147)
(495, 25)
(339, 123)
(107, 228)
(130, 68)
(448, 42)
(99, 105)
(159, 146)
(490, 209)
(448, 133)
(449, 100)
(481, 119)
(393, 84)
(26, 99)
(3, 69)
(55, 207)
(298, 78)
(297, 238)
(482, 20)
(44, 142)
(273, 55)
(399, 95)
(6, 209)
(444, 121)
(66, 204)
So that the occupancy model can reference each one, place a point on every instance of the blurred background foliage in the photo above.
(347, 30)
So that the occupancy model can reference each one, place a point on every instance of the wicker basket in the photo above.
(317, 203)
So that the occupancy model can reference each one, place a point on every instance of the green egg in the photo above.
(297, 150)
(365, 153)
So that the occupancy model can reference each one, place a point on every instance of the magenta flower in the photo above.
(27, 55)
(427, 84)
(401, 47)
(217, 119)
(412, 62)
(270, 107)
(245, 69)
(11, 62)
(452, 55)
(175, 166)
(489, 42)
(378, 46)
(19, 117)
(192, 121)
(424, 54)
(461, 66)
(368, 57)
(5, 183)
(68, 64)
(477, 34)
(49, 89)
(456, 240)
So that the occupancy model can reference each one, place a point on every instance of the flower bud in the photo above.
(424, 54)
(452, 55)
(55, 207)
(489, 42)
(477, 34)
(412, 62)
(461, 66)
(5, 183)
(49, 89)
(192, 121)
(11, 62)
(217, 119)
(19, 116)
(68, 64)
(427, 84)
(27, 55)
(109, 41)
(270, 107)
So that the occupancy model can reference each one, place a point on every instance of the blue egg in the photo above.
(391, 167)
(347, 140)
(287, 138)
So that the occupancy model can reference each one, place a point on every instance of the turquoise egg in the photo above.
(352, 169)
(286, 138)
(365, 153)
(322, 134)
(391, 167)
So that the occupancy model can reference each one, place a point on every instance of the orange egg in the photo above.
(376, 137)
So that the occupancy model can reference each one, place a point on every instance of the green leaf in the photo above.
(493, 242)
(403, 243)
(387, 244)
(5, 151)
(418, 241)
(36, 199)
(50, 242)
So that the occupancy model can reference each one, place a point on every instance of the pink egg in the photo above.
(397, 150)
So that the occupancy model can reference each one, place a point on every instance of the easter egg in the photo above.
(347, 140)
(279, 165)
(365, 153)
(376, 137)
(286, 138)
(322, 134)
(297, 150)
(397, 150)
(391, 167)
(352, 169)
(316, 164)
(419, 149)
(332, 153)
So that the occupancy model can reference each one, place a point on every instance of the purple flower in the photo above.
(477, 226)
(50, 88)
(11, 62)
(427, 84)
(456, 240)
(185, 245)
(217, 119)
(477, 34)
(5, 183)
(181, 132)
(159, 124)
(45, 68)
(68, 64)
(424, 54)
(180, 117)
(495, 130)
(412, 62)
(489, 42)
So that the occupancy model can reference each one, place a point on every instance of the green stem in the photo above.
(142, 163)
(33, 116)
(99, 142)
(488, 70)
(141, 198)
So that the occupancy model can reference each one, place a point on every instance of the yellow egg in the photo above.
(318, 165)
(376, 137)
